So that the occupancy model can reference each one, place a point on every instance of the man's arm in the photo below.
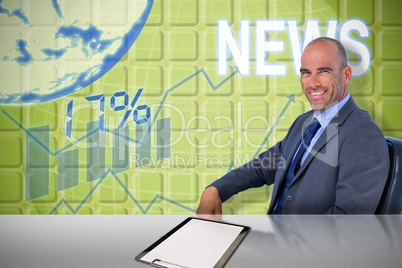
(247, 176)
(210, 202)
(256, 173)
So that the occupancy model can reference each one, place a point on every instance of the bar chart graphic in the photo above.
(39, 154)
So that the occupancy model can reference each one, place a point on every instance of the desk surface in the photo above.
(274, 241)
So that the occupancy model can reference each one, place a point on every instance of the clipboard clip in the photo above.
(163, 264)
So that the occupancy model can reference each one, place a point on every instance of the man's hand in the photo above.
(210, 202)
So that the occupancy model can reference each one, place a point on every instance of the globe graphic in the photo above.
(52, 48)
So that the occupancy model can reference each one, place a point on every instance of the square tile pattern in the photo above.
(213, 122)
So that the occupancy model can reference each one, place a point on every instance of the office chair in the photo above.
(391, 199)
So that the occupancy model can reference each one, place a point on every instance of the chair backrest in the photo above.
(391, 200)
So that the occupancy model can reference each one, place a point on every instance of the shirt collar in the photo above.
(325, 117)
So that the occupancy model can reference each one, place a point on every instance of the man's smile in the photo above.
(317, 95)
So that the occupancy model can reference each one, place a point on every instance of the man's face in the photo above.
(323, 80)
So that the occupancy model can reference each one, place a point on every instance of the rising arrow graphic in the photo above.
(291, 98)
(136, 202)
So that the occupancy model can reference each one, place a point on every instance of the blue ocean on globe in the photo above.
(52, 48)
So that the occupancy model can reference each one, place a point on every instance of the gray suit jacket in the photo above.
(345, 172)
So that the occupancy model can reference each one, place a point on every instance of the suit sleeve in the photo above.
(363, 170)
(256, 173)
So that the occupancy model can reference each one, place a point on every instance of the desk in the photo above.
(274, 241)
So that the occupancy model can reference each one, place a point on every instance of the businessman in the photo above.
(334, 158)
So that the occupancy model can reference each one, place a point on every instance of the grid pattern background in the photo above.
(210, 127)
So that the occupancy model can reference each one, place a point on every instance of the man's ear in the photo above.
(346, 74)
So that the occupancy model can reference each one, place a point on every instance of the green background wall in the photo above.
(212, 124)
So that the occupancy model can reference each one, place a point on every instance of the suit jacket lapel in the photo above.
(330, 132)
(281, 173)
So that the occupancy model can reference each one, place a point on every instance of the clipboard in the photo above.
(195, 243)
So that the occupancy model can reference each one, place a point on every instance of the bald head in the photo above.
(338, 47)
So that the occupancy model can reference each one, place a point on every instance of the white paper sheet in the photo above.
(198, 244)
